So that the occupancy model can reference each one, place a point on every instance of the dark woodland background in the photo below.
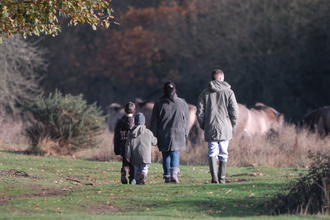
(275, 52)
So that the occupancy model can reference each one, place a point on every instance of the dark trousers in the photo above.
(128, 166)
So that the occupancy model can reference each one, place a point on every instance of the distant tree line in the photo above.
(274, 52)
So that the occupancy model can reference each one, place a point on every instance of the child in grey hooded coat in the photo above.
(138, 148)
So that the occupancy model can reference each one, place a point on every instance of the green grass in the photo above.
(64, 188)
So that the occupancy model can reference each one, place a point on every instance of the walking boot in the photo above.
(124, 175)
(213, 169)
(142, 178)
(222, 171)
(174, 174)
(167, 178)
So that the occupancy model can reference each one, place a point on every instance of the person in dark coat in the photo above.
(170, 125)
(122, 130)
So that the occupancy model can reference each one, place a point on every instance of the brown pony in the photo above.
(258, 120)
(318, 120)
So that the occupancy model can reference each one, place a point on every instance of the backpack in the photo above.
(122, 129)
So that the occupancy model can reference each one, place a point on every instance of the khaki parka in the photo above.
(138, 145)
(217, 111)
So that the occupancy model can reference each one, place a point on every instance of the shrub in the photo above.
(309, 194)
(65, 121)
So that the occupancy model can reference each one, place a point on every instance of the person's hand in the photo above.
(128, 160)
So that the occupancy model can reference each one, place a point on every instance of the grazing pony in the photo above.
(258, 120)
(317, 121)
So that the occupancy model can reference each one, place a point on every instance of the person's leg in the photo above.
(145, 168)
(175, 158)
(136, 174)
(166, 166)
(223, 157)
(213, 157)
(174, 170)
(143, 174)
(131, 172)
(125, 170)
(223, 150)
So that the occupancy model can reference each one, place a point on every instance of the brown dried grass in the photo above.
(194, 155)
(11, 131)
(288, 148)
(285, 149)
(105, 150)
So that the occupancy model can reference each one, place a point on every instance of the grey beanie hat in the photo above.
(140, 119)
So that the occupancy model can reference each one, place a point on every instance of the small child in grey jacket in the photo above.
(138, 148)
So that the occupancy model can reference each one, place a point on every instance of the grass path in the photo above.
(64, 188)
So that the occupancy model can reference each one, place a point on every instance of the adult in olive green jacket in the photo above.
(217, 113)
(170, 124)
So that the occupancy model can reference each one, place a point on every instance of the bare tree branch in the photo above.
(20, 73)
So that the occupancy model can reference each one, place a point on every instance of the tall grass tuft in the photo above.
(12, 128)
(288, 148)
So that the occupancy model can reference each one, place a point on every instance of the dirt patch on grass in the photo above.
(243, 179)
(102, 209)
(242, 174)
(45, 192)
(239, 180)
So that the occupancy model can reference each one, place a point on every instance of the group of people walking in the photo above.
(217, 113)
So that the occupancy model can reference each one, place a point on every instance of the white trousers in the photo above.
(218, 149)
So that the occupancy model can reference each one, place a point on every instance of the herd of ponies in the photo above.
(257, 120)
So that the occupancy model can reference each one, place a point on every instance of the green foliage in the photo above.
(310, 194)
(63, 124)
(41, 16)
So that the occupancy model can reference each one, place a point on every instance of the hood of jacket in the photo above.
(137, 131)
(217, 85)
